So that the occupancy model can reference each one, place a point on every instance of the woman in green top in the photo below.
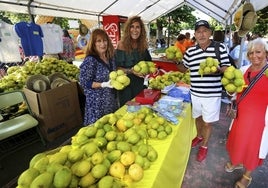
(130, 50)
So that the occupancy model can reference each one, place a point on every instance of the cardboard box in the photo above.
(57, 110)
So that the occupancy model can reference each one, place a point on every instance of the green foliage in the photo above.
(261, 27)
(63, 22)
(176, 20)
(182, 18)
(13, 18)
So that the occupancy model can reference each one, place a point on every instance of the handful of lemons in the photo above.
(208, 66)
(233, 80)
(145, 67)
(119, 79)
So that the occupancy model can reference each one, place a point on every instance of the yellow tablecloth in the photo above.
(173, 154)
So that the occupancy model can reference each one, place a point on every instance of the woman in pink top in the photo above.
(68, 53)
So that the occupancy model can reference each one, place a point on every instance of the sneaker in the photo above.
(202, 153)
(196, 141)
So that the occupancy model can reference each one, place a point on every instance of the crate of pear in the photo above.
(145, 67)
(119, 79)
(208, 66)
(233, 80)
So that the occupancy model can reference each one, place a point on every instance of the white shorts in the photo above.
(209, 108)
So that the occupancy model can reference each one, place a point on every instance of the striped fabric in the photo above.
(206, 85)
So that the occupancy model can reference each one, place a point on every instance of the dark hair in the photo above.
(181, 37)
(91, 47)
(218, 36)
(83, 30)
(66, 33)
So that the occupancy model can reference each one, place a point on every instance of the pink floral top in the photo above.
(68, 53)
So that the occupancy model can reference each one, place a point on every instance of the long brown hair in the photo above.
(127, 41)
(91, 47)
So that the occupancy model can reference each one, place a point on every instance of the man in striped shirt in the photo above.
(206, 90)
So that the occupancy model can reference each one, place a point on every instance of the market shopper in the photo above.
(206, 90)
(130, 50)
(83, 37)
(94, 77)
(68, 53)
(188, 42)
(235, 51)
(250, 128)
(180, 43)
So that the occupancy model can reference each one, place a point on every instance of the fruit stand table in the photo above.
(173, 154)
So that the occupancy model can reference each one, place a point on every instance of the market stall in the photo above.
(167, 169)
(173, 153)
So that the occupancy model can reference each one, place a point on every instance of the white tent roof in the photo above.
(149, 10)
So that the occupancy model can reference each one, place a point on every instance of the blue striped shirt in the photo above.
(206, 85)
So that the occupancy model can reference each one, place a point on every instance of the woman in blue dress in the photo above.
(94, 77)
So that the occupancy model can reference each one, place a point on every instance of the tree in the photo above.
(174, 21)
(261, 27)
(13, 18)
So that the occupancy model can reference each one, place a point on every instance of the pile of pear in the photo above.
(208, 66)
(233, 80)
(112, 152)
(119, 79)
(169, 78)
(145, 67)
(17, 75)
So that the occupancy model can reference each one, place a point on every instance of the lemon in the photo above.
(26, 178)
(99, 170)
(110, 135)
(75, 154)
(127, 158)
(91, 131)
(97, 158)
(106, 182)
(230, 87)
(87, 180)
(229, 74)
(117, 169)
(81, 168)
(136, 172)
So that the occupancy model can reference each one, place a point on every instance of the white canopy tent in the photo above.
(149, 10)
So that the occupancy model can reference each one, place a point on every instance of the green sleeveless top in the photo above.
(128, 60)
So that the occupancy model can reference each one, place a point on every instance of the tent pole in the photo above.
(230, 32)
(168, 42)
(241, 52)
(29, 10)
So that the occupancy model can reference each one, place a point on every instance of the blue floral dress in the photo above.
(99, 101)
